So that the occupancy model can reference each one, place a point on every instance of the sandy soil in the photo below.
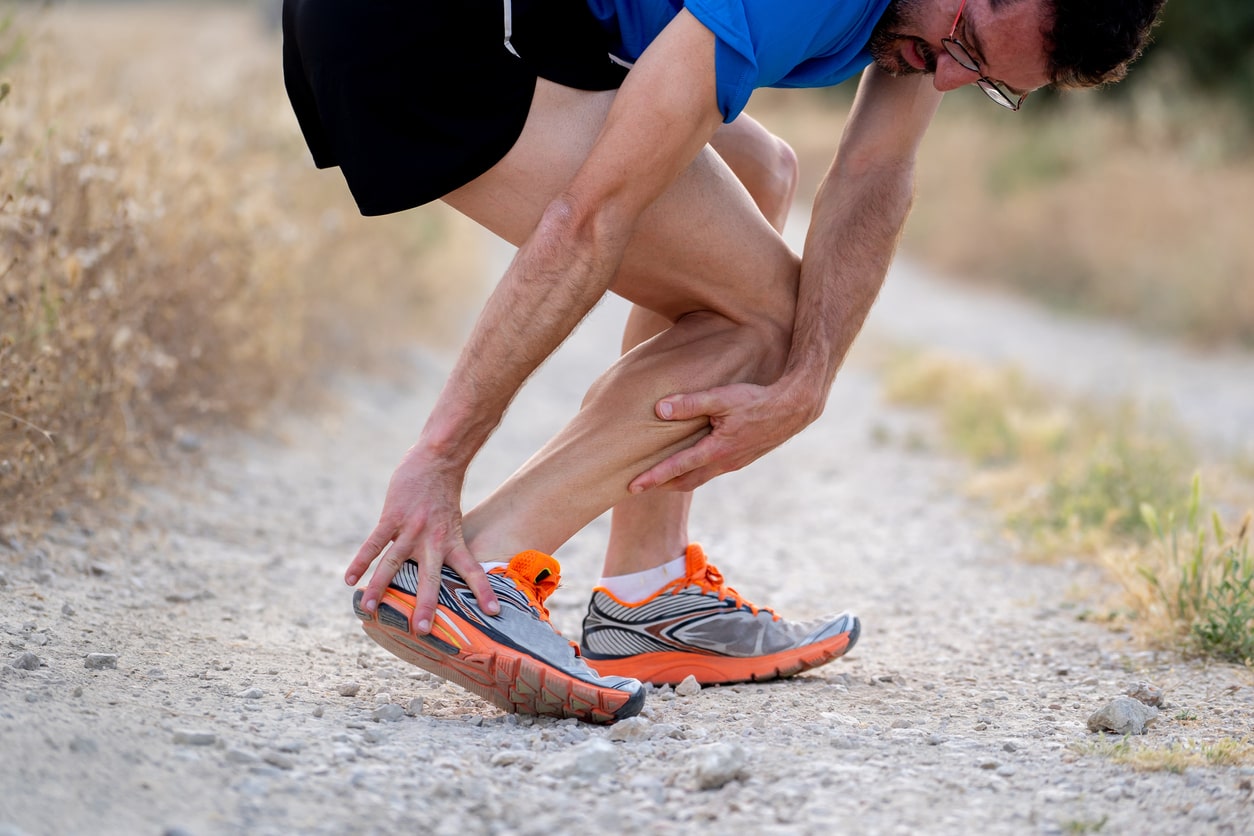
(238, 695)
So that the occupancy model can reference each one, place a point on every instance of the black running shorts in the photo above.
(415, 98)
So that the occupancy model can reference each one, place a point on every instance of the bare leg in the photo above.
(652, 528)
(702, 257)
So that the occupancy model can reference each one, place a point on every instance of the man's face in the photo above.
(1007, 42)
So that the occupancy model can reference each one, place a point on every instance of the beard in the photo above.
(887, 40)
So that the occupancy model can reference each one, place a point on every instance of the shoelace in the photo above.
(711, 579)
(537, 590)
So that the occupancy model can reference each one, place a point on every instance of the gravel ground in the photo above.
(195, 668)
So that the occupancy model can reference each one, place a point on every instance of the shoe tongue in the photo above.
(538, 570)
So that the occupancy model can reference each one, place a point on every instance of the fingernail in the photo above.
(665, 409)
(371, 605)
(635, 489)
(350, 580)
(424, 626)
(493, 608)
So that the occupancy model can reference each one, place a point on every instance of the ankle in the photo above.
(637, 586)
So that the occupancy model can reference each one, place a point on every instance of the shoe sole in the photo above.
(507, 678)
(673, 667)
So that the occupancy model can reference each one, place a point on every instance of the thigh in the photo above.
(702, 246)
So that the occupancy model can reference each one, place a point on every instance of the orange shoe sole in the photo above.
(673, 667)
(511, 680)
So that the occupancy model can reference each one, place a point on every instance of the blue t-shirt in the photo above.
(760, 43)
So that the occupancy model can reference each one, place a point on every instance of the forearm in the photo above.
(857, 223)
(554, 280)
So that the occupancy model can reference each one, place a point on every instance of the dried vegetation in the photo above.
(169, 258)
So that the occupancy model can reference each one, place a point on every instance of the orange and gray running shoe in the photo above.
(515, 660)
(699, 626)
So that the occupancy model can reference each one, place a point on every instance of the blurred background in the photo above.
(170, 260)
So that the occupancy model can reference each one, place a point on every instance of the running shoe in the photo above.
(515, 660)
(699, 626)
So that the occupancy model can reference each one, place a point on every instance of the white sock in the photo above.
(640, 585)
(488, 567)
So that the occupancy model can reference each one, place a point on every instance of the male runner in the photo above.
(605, 138)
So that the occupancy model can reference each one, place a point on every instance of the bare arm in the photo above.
(855, 225)
(664, 114)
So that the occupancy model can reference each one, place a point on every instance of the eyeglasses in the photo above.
(995, 90)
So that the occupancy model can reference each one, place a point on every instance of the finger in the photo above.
(428, 592)
(464, 564)
(389, 565)
(372, 548)
(689, 405)
(674, 466)
(692, 480)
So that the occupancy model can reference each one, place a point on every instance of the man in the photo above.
(649, 183)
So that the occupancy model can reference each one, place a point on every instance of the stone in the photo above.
(633, 728)
(251, 694)
(241, 756)
(1123, 715)
(349, 689)
(188, 737)
(414, 709)
(101, 661)
(689, 687)
(715, 765)
(1145, 692)
(389, 713)
(26, 661)
(588, 760)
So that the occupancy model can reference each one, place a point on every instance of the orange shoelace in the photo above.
(709, 578)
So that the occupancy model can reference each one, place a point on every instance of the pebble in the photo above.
(318, 711)
(195, 738)
(689, 687)
(633, 728)
(389, 713)
(67, 610)
(251, 694)
(714, 765)
(512, 756)
(101, 661)
(26, 661)
(241, 756)
(1145, 692)
(279, 760)
(349, 689)
(1123, 715)
(588, 760)
(414, 709)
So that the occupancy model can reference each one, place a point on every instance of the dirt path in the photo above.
(243, 697)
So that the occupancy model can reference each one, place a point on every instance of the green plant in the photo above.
(1207, 586)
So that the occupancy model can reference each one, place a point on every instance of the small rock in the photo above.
(1123, 716)
(689, 687)
(67, 610)
(633, 728)
(1146, 693)
(1205, 812)
(101, 661)
(382, 698)
(665, 730)
(84, 746)
(25, 661)
(291, 747)
(195, 738)
(241, 756)
(251, 694)
(509, 757)
(588, 760)
(716, 764)
(389, 713)
(349, 689)
(318, 711)
(279, 760)
(414, 709)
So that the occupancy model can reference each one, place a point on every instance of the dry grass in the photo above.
(1176, 757)
(1139, 211)
(1110, 487)
(168, 257)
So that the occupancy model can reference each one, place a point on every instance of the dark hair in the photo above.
(1092, 42)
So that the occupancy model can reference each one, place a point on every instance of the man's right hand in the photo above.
(422, 522)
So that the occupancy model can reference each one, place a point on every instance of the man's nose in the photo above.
(950, 75)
